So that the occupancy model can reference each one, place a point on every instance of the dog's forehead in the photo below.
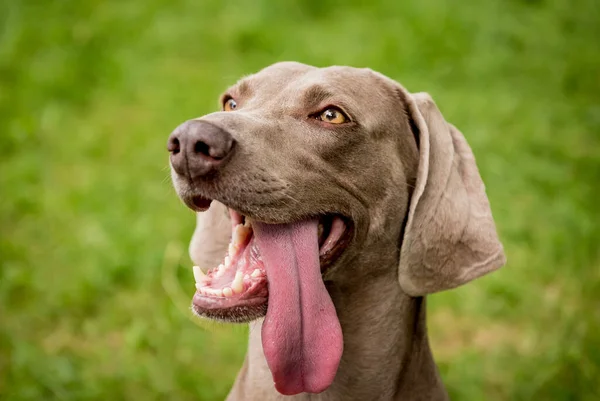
(290, 80)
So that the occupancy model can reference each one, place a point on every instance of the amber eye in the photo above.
(332, 116)
(230, 105)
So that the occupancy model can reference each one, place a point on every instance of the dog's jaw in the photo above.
(237, 289)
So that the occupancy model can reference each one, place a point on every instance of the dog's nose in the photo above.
(199, 147)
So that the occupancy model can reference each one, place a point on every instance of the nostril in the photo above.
(205, 150)
(202, 148)
(173, 146)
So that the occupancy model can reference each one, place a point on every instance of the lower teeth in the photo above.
(239, 237)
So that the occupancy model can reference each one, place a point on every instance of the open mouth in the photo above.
(276, 271)
(237, 289)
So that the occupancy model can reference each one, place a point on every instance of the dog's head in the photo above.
(307, 170)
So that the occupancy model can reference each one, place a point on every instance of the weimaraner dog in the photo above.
(330, 202)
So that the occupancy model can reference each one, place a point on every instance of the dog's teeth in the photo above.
(227, 292)
(215, 292)
(247, 223)
(256, 273)
(237, 285)
(220, 270)
(199, 275)
(227, 261)
(231, 249)
(240, 234)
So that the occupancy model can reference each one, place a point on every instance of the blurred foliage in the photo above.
(93, 237)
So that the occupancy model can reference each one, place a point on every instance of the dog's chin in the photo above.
(237, 290)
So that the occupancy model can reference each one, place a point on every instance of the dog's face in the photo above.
(309, 142)
(334, 144)
(306, 171)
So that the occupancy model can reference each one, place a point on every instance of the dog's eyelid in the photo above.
(336, 107)
(225, 98)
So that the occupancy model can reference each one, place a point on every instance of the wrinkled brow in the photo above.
(314, 96)
(241, 89)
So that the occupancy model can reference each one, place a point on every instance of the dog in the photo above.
(330, 202)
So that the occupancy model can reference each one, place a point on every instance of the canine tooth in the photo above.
(247, 223)
(227, 261)
(227, 292)
(237, 285)
(199, 275)
(256, 273)
(240, 234)
(231, 249)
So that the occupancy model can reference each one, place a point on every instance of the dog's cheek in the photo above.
(210, 240)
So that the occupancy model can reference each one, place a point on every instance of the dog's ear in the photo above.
(450, 237)
(211, 237)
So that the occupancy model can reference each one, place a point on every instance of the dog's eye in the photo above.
(229, 105)
(332, 116)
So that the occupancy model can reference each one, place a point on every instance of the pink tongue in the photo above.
(301, 334)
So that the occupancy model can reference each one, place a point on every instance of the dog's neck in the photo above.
(386, 350)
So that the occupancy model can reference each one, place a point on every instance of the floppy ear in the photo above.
(450, 237)
(211, 237)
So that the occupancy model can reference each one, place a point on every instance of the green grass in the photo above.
(95, 282)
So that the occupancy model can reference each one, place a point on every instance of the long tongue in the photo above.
(301, 334)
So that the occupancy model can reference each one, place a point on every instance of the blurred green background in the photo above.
(95, 279)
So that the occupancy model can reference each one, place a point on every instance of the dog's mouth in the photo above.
(237, 289)
(275, 270)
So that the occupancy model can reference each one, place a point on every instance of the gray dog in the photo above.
(332, 201)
